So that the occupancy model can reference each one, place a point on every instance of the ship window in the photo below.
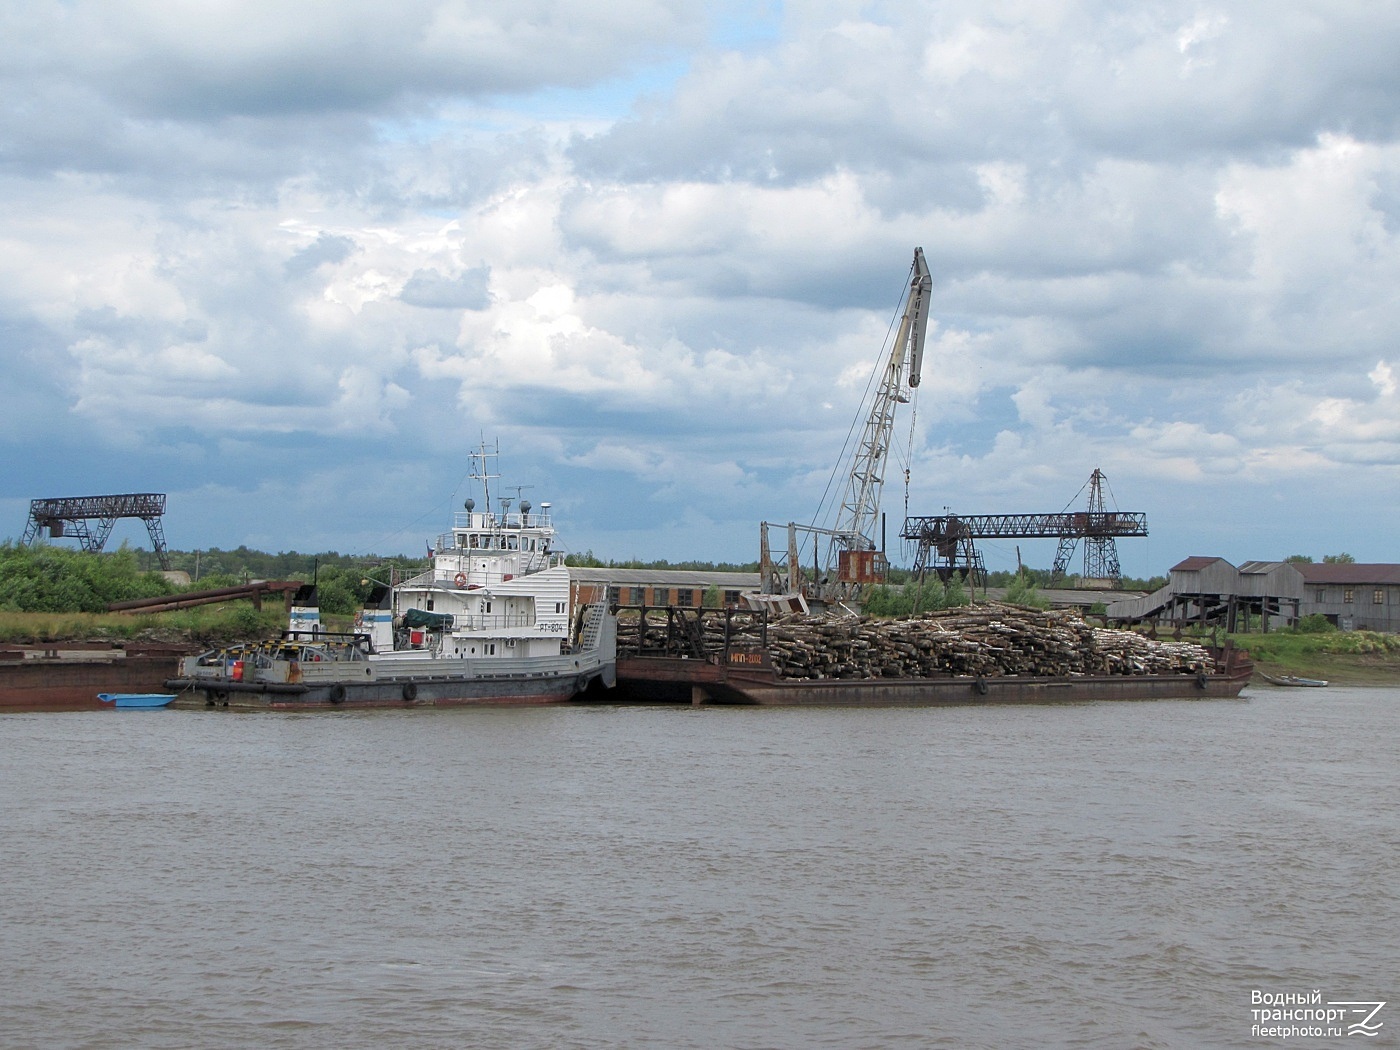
(486, 607)
(430, 604)
(1378, 597)
(490, 648)
(558, 607)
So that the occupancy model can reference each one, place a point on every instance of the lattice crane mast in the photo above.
(852, 558)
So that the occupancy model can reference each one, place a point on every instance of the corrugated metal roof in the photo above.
(1354, 574)
(1196, 564)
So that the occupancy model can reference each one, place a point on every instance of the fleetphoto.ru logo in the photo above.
(1293, 1015)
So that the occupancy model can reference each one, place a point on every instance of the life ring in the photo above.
(460, 579)
(337, 693)
(410, 691)
(980, 685)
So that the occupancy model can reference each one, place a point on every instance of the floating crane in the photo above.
(945, 542)
(846, 558)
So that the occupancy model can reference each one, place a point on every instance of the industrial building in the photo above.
(1262, 595)
(1355, 597)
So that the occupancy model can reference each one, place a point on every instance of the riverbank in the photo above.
(1362, 669)
(1364, 658)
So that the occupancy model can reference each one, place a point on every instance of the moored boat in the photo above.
(488, 622)
(136, 700)
(68, 675)
(1288, 679)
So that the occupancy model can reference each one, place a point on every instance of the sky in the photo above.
(290, 262)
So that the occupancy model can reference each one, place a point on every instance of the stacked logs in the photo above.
(984, 640)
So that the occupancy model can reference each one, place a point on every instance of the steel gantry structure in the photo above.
(70, 515)
(944, 543)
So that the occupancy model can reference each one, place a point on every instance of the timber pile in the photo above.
(984, 640)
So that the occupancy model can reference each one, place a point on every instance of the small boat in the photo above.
(1288, 679)
(136, 699)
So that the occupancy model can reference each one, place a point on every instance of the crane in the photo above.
(853, 559)
(944, 542)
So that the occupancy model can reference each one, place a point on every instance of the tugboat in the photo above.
(487, 623)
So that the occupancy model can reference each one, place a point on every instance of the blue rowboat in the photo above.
(136, 699)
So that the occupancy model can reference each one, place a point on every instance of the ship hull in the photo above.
(443, 691)
(671, 680)
(68, 677)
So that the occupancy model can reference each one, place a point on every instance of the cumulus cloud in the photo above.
(663, 255)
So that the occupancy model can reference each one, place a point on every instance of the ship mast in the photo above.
(477, 469)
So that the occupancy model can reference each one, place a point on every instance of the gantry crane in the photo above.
(846, 558)
(69, 516)
(945, 542)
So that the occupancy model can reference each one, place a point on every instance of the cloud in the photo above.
(660, 248)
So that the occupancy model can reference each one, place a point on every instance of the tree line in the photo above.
(46, 578)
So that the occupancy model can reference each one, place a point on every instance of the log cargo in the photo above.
(1012, 652)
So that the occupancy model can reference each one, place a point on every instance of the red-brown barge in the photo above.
(753, 680)
(69, 675)
(686, 661)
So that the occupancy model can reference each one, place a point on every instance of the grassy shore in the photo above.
(1347, 658)
(204, 624)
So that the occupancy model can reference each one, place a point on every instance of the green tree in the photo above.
(1338, 559)
(1022, 592)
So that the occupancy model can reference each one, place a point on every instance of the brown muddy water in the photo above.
(1092, 875)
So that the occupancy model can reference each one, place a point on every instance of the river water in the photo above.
(1086, 875)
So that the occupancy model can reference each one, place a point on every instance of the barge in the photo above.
(687, 661)
(68, 675)
(749, 678)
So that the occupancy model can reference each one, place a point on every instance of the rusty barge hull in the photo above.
(645, 679)
(68, 676)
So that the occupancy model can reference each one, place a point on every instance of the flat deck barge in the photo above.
(990, 655)
(712, 680)
(69, 675)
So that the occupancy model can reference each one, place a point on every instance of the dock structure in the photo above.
(1211, 592)
(71, 515)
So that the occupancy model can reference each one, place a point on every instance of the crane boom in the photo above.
(852, 559)
(861, 507)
